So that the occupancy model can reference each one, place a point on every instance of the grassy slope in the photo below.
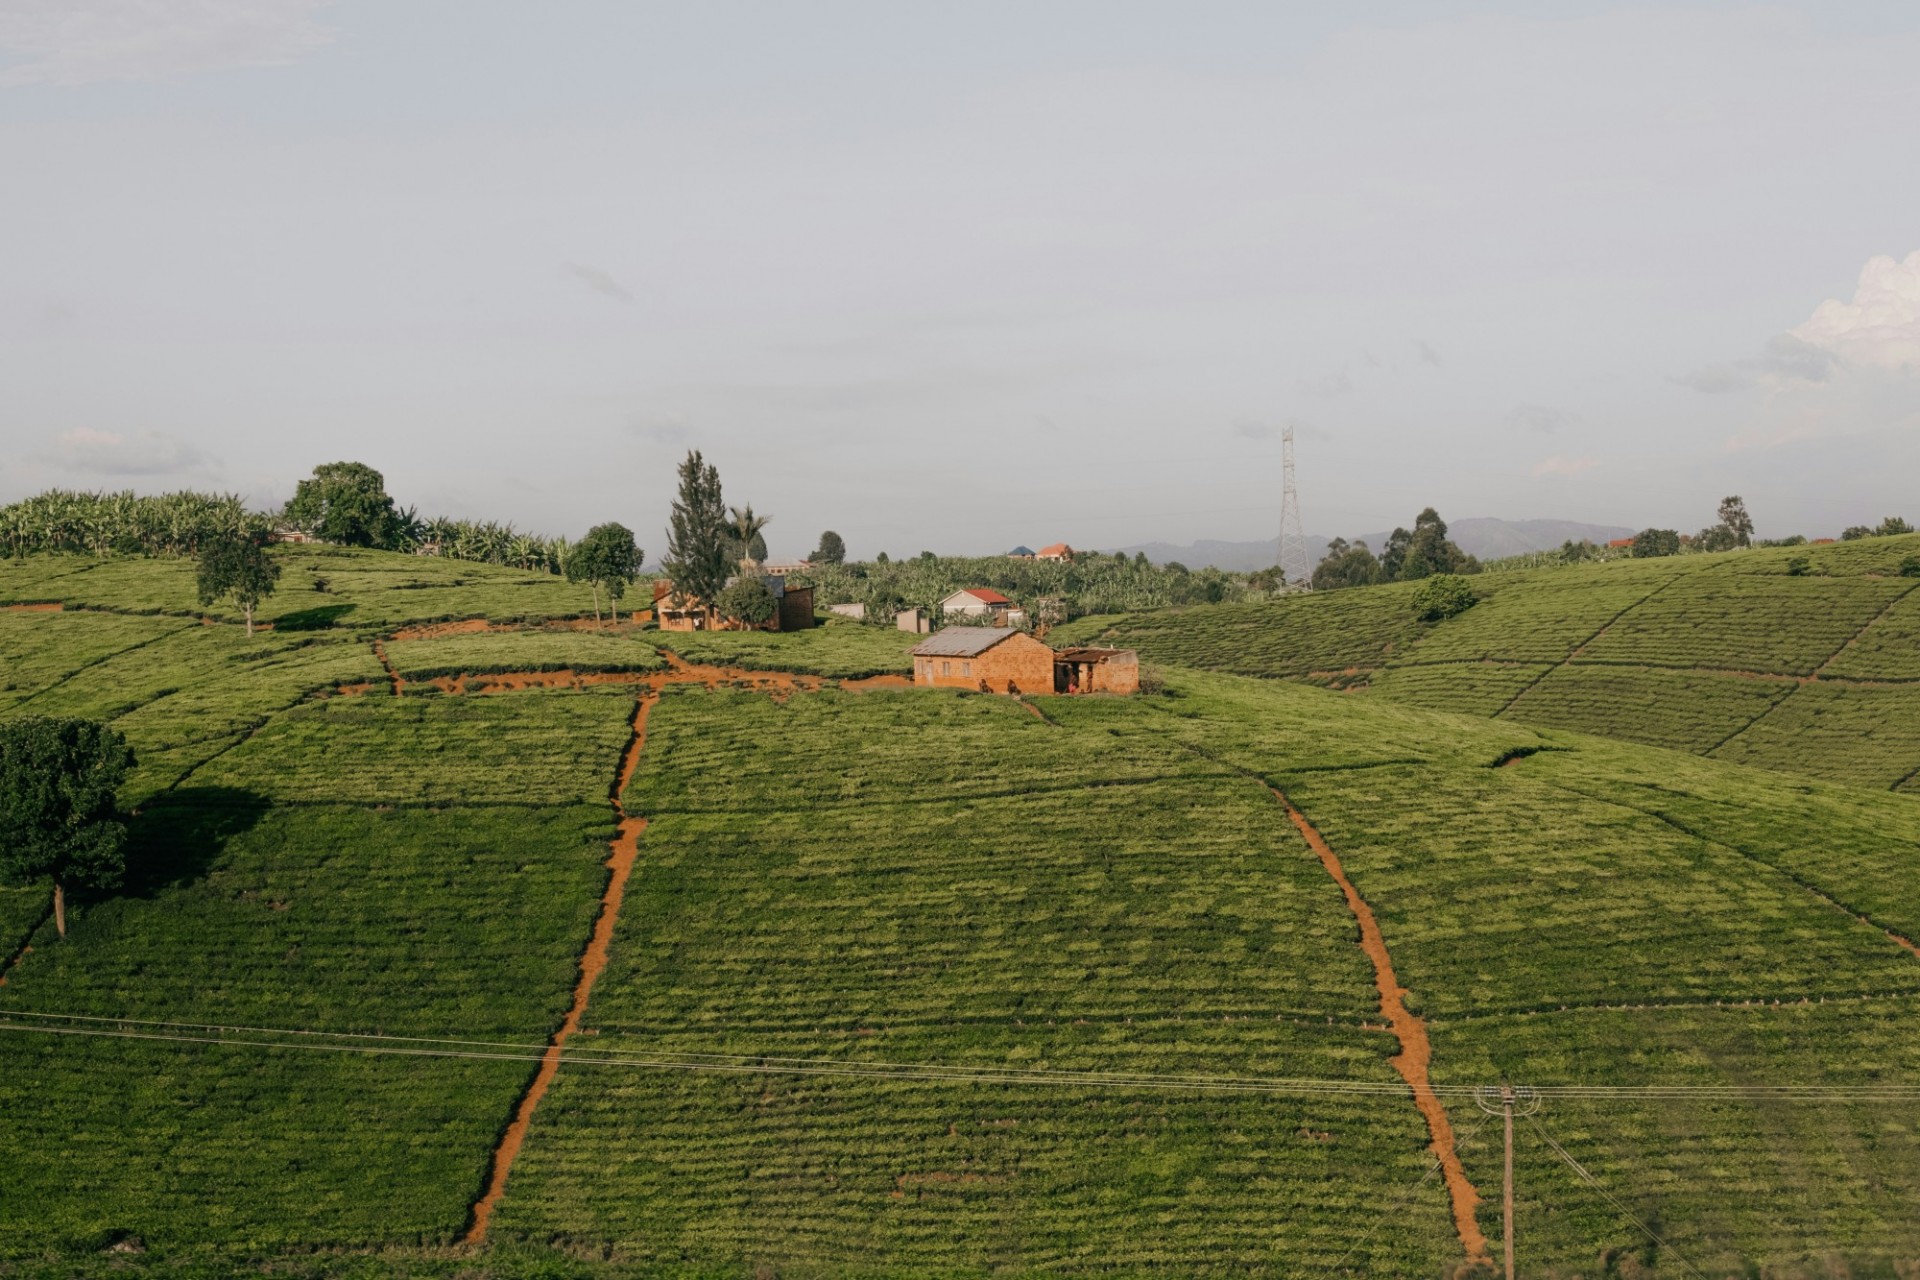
(1731, 655)
(947, 878)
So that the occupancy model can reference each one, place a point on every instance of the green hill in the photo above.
(1798, 658)
(929, 983)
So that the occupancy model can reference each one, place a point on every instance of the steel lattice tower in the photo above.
(1293, 542)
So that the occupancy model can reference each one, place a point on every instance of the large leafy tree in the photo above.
(347, 503)
(1346, 565)
(832, 550)
(1735, 520)
(607, 558)
(237, 566)
(1429, 551)
(699, 536)
(1649, 543)
(58, 819)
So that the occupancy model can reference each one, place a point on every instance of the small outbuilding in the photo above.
(1095, 670)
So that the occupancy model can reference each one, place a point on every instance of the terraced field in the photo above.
(883, 982)
(1797, 658)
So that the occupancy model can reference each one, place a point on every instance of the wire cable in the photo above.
(1611, 1199)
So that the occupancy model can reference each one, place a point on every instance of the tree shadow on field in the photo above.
(319, 618)
(179, 835)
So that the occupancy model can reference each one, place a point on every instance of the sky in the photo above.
(964, 276)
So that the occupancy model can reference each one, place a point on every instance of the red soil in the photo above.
(33, 608)
(1415, 1050)
(625, 849)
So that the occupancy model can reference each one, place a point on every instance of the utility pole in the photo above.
(1294, 570)
(1506, 1194)
(1501, 1102)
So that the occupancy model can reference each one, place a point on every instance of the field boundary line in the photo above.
(107, 657)
(1865, 627)
(1815, 676)
(1897, 939)
(1655, 1005)
(1582, 647)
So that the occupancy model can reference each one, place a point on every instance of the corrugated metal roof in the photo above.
(961, 642)
(985, 595)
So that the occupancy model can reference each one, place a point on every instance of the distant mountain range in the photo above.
(1486, 537)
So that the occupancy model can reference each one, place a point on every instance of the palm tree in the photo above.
(746, 526)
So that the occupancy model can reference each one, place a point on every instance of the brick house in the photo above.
(993, 659)
(1058, 551)
(793, 608)
(998, 660)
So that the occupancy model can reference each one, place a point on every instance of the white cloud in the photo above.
(108, 453)
(1563, 466)
(1880, 328)
(75, 42)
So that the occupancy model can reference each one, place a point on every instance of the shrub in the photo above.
(1910, 567)
(1442, 596)
(749, 600)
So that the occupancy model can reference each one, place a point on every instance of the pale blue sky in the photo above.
(959, 276)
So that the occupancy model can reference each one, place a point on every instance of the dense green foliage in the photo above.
(347, 503)
(171, 524)
(748, 599)
(1442, 596)
(832, 549)
(842, 650)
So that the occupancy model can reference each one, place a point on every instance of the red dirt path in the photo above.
(1415, 1050)
(624, 850)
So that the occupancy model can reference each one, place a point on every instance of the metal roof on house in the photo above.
(985, 595)
(961, 642)
(1021, 551)
(1057, 549)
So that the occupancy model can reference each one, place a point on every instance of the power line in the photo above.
(238, 1036)
(1393, 1210)
(1611, 1199)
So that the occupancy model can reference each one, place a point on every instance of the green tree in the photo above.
(347, 503)
(1891, 526)
(1346, 565)
(749, 600)
(607, 558)
(1393, 556)
(1910, 567)
(237, 566)
(832, 550)
(1442, 595)
(1855, 532)
(1649, 543)
(58, 820)
(1735, 520)
(1429, 551)
(699, 538)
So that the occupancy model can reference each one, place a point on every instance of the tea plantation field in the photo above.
(1798, 658)
(916, 983)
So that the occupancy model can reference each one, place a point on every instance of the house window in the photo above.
(946, 668)
(966, 668)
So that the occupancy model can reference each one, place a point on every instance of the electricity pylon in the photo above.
(1293, 543)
